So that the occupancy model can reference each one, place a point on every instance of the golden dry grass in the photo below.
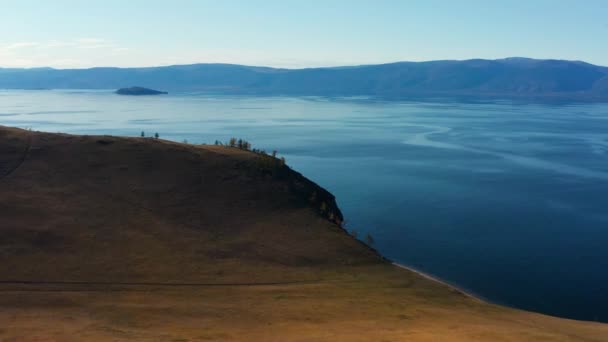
(112, 239)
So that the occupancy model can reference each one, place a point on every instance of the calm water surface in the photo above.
(509, 201)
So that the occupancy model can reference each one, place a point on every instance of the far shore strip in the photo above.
(430, 277)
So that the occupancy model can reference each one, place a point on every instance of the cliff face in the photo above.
(145, 209)
(134, 239)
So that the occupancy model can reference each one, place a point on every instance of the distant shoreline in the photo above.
(519, 79)
(442, 282)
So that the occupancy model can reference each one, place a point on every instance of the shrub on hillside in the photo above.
(369, 240)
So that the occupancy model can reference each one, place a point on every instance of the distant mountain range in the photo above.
(503, 78)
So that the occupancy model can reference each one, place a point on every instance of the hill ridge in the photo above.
(514, 77)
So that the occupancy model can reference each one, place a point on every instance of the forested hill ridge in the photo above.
(502, 78)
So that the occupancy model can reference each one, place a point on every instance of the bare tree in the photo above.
(369, 240)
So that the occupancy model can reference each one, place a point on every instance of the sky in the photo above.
(296, 34)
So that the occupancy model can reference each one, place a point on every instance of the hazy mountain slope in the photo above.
(123, 239)
(512, 77)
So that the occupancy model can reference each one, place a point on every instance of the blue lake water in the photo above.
(509, 201)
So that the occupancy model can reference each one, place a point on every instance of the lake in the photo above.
(506, 200)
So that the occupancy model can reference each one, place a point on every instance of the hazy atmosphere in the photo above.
(295, 34)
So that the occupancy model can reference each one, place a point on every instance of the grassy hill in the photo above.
(106, 238)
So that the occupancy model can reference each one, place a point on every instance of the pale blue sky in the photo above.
(70, 33)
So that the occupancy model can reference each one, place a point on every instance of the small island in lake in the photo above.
(138, 91)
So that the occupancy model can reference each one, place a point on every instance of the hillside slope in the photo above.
(106, 238)
(505, 78)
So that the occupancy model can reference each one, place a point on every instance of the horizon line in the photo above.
(302, 68)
